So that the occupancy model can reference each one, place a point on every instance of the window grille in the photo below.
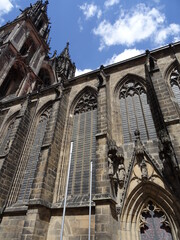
(135, 112)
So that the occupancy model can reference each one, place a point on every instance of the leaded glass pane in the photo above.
(135, 112)
(154, 224)
(33, 158)
(84, 147)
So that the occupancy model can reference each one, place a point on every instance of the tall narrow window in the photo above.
(154, 224)
(33, 157)
(175, 84)
(84, 148)
(12, 81)
(135, 112)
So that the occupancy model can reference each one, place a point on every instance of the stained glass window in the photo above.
(34, 157)
(84, 147)
(175, 84)
(135, 112)
(154, 224)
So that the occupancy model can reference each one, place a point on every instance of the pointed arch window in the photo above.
(135, 112)
(154, 223)
(84, 147)
(175, 84)
(32, 162)
(13, 80)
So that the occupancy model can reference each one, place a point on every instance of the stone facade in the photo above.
(124, 117)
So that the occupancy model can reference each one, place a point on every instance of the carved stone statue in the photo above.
(110, 165)
(121, 173)
(166, 149)
(144, 170)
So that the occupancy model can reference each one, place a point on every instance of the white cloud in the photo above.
(80, 72)
(134, 26)
(163, 34)
(90, 10)
(5, 7)
(127, 53)
(109, 3)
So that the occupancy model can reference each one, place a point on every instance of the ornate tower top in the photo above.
(65, 52)
(64, 65)
(38, 15)
(34, 10)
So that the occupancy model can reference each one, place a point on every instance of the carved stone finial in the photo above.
(166, 150)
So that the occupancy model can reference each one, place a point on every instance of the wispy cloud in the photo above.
(80, 72)
(91, 10)
(163, 34)
(5, 7)
(109, 3)
(134, 26)
(127, 53)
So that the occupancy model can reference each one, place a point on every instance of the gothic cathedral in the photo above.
(90, 157)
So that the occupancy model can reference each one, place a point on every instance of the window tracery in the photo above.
(175, 84)
(87, 102)
(135, 111)
(154, 224)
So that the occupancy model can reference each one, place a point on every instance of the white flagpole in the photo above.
(65, 199)
(90, 199)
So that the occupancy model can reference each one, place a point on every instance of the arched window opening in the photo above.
(12, 81)
(28, 49)
(45, 77)
(135, 112)
(40, 25)
(34, 157)
(154, 223)
(175, 84)
(84, 147)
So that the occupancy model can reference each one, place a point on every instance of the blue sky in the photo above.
(105, 31)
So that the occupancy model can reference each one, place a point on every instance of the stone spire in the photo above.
(64, 64)
(38, 15)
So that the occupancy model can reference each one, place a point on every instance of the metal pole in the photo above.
(90, 199)
(65, 199)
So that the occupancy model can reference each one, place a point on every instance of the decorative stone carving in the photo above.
(152, 60)
(139, 148)
(166, 150)
(139, 152)
(121, 173)
(144, 170)
(110, 165)
(116, 169)
(87, 102)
